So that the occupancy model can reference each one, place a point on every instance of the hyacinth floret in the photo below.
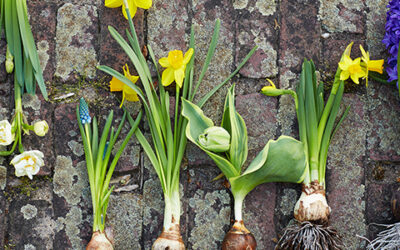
(84, 111)
(392, 37)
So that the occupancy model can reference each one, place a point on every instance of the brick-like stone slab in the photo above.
(257, 24)
(345, 174)
(111, 54)
(43, 20)
(76, 41)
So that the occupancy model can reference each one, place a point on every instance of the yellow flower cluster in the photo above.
(359, 67)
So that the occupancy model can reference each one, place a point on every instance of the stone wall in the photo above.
(54, 210)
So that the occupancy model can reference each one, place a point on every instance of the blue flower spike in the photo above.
(84, 111)
(392, 38)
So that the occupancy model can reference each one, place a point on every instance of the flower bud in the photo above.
(215, 139)
(9, 62)
(41, 128)
(272, 90)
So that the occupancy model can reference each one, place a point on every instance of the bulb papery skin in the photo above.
(312, 205)
(99, 241)
(239, 238)
(170, 239)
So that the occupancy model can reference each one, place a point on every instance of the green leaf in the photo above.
(197, 123)
(281, 160)
(234, 124)
(29, 44)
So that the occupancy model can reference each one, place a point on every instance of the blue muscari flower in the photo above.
(84, 111)
(392, 37)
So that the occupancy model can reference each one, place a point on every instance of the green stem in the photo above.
(18, 114)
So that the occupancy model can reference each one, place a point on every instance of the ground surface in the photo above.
(54, 210)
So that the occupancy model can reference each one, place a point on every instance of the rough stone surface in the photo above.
(76, 41)
(127, 228)
(345, 172)
(342, 15)
(256, 24)
(54, 210)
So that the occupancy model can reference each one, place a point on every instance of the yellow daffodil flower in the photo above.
(371, 65)
(132, 4)
(127, 93)
(351, 68)
(175, 65)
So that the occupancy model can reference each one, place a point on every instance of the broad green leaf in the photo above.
(281, 160)
(197, 123)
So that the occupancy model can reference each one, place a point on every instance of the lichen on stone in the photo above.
(76, 147)
(340, 15)
(288, 201)
(31, 101)
(42, 48)
(74, 44)
(128, 228)
(212, 213)
(71, 224)
(240, 4)
(29, 247)
(29, 211)
(3, 177)
(70, 182)
(266, 7)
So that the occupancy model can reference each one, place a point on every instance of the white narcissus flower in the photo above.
(28, 163)
(6, 135)
(40, 128)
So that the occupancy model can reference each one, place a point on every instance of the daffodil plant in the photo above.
(100, 170)
(317, 126)
(22, 58)
(168, 141)
(282, 160)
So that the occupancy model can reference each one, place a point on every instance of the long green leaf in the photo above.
(237, 129)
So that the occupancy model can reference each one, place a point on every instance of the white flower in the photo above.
(40, 128)
(28, 163)
(6, 136)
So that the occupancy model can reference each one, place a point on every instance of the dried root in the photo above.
(308, 236)
(388, 239)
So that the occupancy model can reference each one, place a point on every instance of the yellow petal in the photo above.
(272, 84)
(116, 85)
(144, 4)
(132, 78)
(167, 76)
(354, 78)
(164, 62)
(179, 75)
(187, 56)
(344, 75)
(364, 54)
(132, 9)
(376, 65)
(113, 3)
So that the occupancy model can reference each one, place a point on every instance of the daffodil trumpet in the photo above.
(281, 160)
(168, 140)
(317, 127)
(99, 167)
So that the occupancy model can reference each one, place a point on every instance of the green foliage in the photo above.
(98, 154)
(14, 16)
(282, 160)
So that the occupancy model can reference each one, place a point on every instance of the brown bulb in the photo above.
(99, 241)
(239, 238)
